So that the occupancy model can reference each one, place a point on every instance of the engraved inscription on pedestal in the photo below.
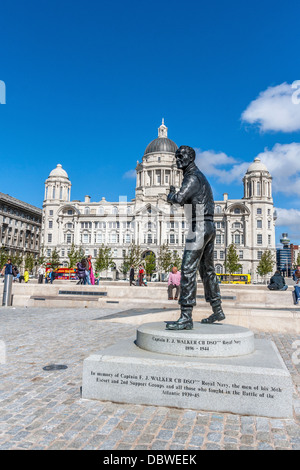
(203, 341)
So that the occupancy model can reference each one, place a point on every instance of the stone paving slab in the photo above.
(44, 409)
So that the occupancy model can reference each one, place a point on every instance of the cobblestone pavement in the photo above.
(44, 409)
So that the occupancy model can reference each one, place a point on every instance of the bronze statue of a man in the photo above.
(196, 196)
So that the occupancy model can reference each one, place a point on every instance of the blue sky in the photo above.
(88, 83)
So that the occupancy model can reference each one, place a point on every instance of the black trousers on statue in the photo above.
(199, 256)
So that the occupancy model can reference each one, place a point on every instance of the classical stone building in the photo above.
(148, 220)
(20, 226)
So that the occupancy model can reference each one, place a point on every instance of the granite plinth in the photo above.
(251, 384)
(210, 340)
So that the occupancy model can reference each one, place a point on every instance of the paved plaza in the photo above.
(43, 409)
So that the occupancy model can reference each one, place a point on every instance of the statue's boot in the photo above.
(217, 315)
(185, 321)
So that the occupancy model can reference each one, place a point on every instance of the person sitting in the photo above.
(277, 282)
(296, 292)
(174, 283)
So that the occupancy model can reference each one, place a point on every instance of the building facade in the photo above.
(149, 221)
(20, 227)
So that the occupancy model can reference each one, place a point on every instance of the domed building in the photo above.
(149, 221)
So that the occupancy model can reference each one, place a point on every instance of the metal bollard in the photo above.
(7, 296)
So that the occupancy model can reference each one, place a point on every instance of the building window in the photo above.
(269, 239)
(50, 224)
(259, 254)
(86, 224)
(218, 239)
(259, 211)
(237, 239)
(114, 238)
(258, 188)
(269, 223)
(215, 254)
(100, 210)
(86, 238)
(49, 237)
(259, 239)
(219, 269)
(51, 212)
(259, 223)
(99, 237)
(221, 254)
(86, 210)
(218, 210)
(237, 210)
(241, 254)
(69, 238)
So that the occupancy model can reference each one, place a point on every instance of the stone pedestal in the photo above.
(215, 367)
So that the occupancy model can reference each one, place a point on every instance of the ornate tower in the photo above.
(258, 182)
(58, 186)
(157, 170)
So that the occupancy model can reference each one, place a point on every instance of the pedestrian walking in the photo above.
(81, 271)
(88, 268)
(41, 274)
(131, 276)
(7, 268)
(141, 275)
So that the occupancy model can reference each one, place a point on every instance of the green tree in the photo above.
(164, 260)
(298, 260)
(3, 256)
(29, 262)
(104, 259)
(42, 257)
(150, 264)
(265, 265)
(131, 257)
(75, 255)
(53, 261)
(17, 260)
(177, 260)
(232, 264)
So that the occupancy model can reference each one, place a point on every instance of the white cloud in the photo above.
(212, 163)
(288, 217)
(283, 162)
(276, 109)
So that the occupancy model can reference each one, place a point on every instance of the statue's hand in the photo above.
(171, 194)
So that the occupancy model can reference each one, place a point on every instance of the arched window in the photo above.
(86, 210)
(218, 209)
(219, 269)
(114, 210)
(101, 210)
